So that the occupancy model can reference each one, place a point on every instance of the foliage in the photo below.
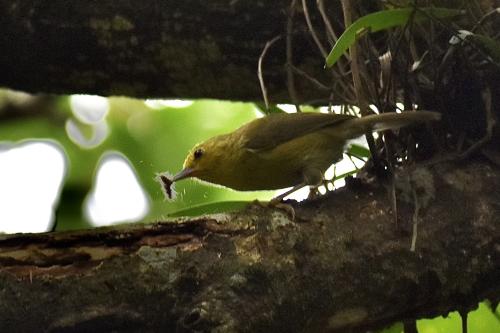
(383, 20)
(483, 319)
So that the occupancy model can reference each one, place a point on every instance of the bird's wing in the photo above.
(275, 129)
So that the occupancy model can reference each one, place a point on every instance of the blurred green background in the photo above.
(152, 136)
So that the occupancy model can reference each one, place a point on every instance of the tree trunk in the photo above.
(342, 265)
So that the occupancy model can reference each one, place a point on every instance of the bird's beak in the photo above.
(185, 173)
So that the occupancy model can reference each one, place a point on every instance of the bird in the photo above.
(285, 150)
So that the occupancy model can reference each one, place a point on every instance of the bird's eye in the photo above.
(198, 153)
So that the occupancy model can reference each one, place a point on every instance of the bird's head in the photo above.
(204, 160)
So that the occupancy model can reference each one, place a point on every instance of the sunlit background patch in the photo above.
(97, 157)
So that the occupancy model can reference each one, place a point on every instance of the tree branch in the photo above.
(168, 49)
(342, 265)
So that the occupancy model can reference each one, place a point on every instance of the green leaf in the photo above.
(488, 45)
(394, 328)
(273, 108)
(211, 208)
(383, 20)
(359, 151)
(344, 175)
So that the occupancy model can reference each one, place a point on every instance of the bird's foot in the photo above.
(313, 193)
(277, 204)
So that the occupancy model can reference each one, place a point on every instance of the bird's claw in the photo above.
(278, 204)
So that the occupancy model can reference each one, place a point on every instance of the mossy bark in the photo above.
(168, 49)
(342, 265)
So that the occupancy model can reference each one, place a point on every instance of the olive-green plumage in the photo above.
(284, 150)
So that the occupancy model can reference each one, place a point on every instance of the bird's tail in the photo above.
(380, 122)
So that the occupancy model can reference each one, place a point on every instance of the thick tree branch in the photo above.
(170, 49)
(341, 265)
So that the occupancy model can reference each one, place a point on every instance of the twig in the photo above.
(358, 158)
(330, 103)
(358, 87)
(331, 33)
(415, 220)
(289, 57)
(323, 86)
(336, 76)
(389, 98)
(494, 310)
(312, 31)
(390, 165)
(490, 124)
(464, 314)
(394, 202)
(348, 97)
(410, 326)
(386, 82)
(355, 60)
(310, 78)
(473, 12)
(328, 25)
(352, 161)
(259, 70)
(342, 71)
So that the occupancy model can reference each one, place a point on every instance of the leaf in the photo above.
(211, 208)
(344, 175)
(383, 20)
(273, 108)
(359, 151)
(394, 328)
(488, 45)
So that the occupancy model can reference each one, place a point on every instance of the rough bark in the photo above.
(169, 49)
(342, 265)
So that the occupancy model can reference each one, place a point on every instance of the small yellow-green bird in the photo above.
(285, 150)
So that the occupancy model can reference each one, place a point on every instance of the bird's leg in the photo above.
(276, 203)
(280, 197)
(313, 192)
(288, 209)
(312, 177)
